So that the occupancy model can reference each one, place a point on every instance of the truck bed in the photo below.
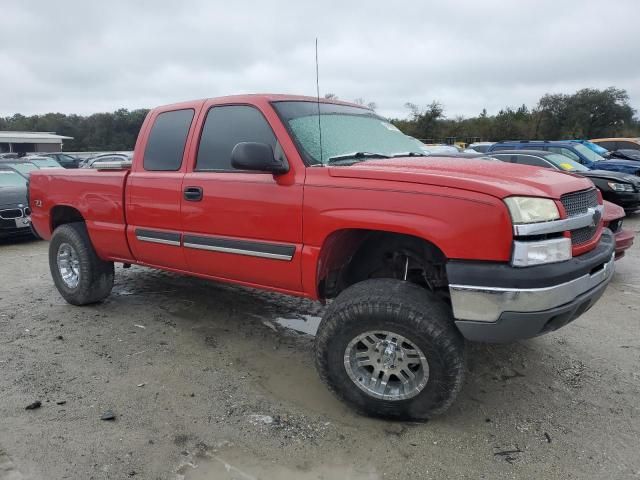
(96, 195)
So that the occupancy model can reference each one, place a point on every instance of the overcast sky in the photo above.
(85, 56)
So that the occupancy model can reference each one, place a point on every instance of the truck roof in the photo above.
(269, 97)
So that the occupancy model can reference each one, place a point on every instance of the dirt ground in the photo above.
(206, 383)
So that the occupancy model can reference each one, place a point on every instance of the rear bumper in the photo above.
(500, 303)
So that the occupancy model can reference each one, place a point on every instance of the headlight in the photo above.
(527, 254)
(532, 209)
(621, 187)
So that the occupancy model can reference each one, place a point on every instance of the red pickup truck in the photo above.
(327, 200)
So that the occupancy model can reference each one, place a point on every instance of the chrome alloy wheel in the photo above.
(386, 365)
(68, 265)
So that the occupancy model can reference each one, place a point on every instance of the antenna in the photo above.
(318, 99)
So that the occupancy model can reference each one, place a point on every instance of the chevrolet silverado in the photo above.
(322, 199)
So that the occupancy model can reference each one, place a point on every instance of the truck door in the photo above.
(239, 225)
(154, 190)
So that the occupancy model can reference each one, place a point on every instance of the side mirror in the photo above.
(257, 157)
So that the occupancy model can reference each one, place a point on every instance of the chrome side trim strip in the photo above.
(486, 304)
(251, 253)
(591, 218)
(156, 236)
(158, 240)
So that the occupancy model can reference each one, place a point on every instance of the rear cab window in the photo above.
(167, 139)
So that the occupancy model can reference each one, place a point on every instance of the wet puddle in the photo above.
(304, 323)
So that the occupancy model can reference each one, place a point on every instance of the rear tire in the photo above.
(79, 274)
(405, 337)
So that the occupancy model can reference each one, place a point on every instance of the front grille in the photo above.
(10, 213)
(583, 235)
(578, 203)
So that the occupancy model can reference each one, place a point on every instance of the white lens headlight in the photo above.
(526, 254)
(621, 187)
(531, 209)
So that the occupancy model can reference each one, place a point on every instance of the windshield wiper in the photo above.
(355, 156)
(409, 154)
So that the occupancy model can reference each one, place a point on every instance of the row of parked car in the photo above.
(63, 160)
(14, 174)
(616, 173)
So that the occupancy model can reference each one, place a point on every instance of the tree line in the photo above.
(108, 131)
(587, 113)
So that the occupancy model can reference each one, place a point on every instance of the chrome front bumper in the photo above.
(487, 304)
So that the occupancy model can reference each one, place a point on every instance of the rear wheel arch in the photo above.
(63, 214)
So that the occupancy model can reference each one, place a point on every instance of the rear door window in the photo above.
(167, 140)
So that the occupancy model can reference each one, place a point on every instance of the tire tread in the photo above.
(422, 312)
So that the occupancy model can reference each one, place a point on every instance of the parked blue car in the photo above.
(573, 149)
(593, 146)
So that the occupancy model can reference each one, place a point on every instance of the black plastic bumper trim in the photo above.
(503, 275)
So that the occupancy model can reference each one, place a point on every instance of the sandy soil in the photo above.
(206, 383)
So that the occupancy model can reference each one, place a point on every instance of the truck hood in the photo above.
(613, 176)
(12, 196)
(495, 178)
(631, 167)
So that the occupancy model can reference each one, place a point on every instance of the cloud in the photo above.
(82, 57)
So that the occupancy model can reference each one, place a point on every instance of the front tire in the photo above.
(79, 274)
(389, 348)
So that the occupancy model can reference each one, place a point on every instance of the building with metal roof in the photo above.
(31, 141)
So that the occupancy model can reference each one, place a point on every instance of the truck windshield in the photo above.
(349, 133)
(588, 153)
(565, 163)
(9, 179)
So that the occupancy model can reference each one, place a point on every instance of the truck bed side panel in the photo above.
(97, 195)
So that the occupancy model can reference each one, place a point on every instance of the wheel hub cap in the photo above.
(386, 365)
(388, 357)
(68, 265)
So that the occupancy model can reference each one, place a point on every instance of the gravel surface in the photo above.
(174, 378)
